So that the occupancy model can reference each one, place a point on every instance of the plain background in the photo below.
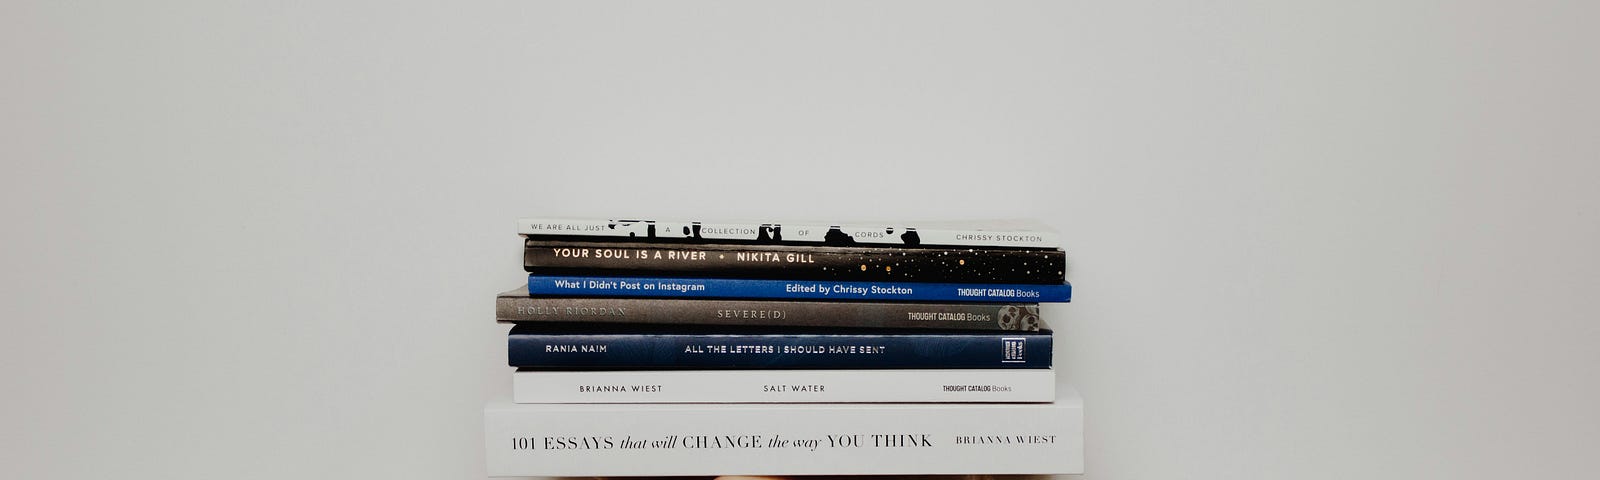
(1344, 239)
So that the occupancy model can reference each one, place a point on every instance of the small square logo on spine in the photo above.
(1012, 350)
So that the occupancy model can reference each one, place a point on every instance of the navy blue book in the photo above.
(562, 346)
(654, 287)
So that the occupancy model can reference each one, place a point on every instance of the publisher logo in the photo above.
(1017, 317)
(1012, 350)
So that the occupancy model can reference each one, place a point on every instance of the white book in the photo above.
(785, 439)
(784, 386)
(1002, 233)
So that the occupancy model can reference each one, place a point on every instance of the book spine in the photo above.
(585, 286)
(791, 233)
(783, 386)
(936, 265)
(804, 313)
(530, 347)
(784, 439)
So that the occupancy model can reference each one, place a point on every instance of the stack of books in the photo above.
(656, 348)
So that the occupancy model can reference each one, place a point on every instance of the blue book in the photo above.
(586, 286)
(565, 346)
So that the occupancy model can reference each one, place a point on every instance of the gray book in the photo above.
(517, 306)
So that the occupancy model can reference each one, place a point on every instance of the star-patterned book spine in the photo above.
(787, 262)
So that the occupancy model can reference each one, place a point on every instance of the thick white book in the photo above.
(785, 439)
(784, 386)
(999, 233)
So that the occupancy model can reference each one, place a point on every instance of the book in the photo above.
(569, 346)
(656, 287)
(785, 439)
(786, 262)
(1015, 233)
(517, 306)
(783, 386)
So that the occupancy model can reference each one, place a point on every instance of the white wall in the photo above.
(1309, 240)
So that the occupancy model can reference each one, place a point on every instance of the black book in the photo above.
(696, 347)
(790, 262)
